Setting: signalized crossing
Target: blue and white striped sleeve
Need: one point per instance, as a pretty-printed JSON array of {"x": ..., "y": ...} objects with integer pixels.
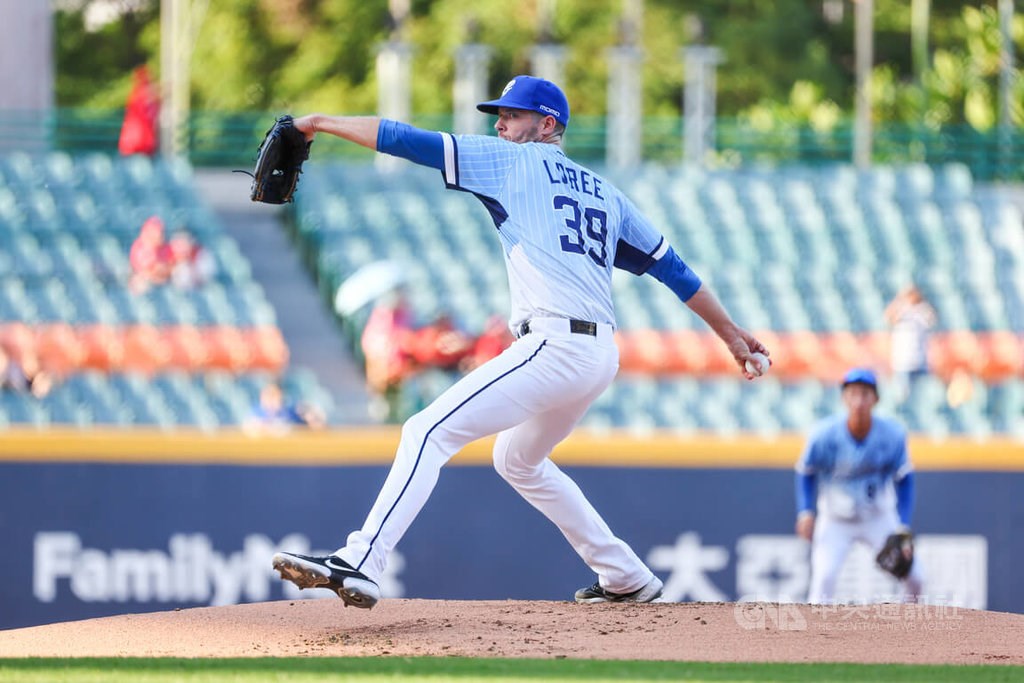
[
  {"x": 477, "y": 163},
  {"x": 640, "y": 243}
]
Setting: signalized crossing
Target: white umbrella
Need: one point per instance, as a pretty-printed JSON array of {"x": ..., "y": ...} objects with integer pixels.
[{"x": 366, "y": 284}]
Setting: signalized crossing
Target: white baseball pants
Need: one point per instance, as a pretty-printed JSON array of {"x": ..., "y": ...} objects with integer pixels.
[
  {"x": 832, "y": 541},
  {"x": 532, "y": 396}
]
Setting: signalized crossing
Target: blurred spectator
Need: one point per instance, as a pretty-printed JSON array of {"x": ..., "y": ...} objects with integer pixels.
[
  {"x": 192, "y": 265},
  {"x": 385, "y": 343},
  {"x": 440, "y": 344},
  {"x": 911, "y": 318},
  {"x": 28, "y": 376},
  {"x": 150, "y": 256},
  {"x": 10, "y": 372},
  {"x": 274, "y": 415},
  {"x": 138, "y": 132},
  {"x": 960, "y": 389},
  {"x": 494, "y": 339}
]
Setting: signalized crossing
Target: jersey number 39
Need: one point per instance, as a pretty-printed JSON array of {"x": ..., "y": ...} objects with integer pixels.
[{"x": 579, "y": 219}]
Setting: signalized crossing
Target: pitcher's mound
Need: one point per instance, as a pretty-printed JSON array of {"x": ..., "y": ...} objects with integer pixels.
[{"x": 755, "y": 632}]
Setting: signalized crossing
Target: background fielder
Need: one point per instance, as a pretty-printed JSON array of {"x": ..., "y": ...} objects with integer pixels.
[
  {"x": 562, "y": 230},
  {"x": 854, "y": 483}
]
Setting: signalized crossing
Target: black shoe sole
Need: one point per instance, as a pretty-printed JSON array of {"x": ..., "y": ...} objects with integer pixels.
[{"x": 305, "y": 577}]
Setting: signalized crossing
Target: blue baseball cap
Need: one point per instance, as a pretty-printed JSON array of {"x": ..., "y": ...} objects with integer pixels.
[
  {"x": 533, "y": 94},
  {"x": 861, "y": 376}
]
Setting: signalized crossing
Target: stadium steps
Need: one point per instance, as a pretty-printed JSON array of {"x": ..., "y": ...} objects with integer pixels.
[{"x": 313, "y": 337}]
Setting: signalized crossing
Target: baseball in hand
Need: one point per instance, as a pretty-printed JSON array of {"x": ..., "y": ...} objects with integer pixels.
[{"x": 758, "y": 364}]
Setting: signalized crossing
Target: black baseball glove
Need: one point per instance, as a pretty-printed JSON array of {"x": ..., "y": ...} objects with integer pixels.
[
  {"x": 897, "y": 555},
  {"x": 279, "y": 163}
]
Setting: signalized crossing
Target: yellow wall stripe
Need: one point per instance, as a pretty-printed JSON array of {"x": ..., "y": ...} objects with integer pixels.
[{"x": 376, "y": 445}]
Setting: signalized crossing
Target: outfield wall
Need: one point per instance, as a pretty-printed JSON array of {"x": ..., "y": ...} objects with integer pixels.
[{"x": 97, "y": 524}]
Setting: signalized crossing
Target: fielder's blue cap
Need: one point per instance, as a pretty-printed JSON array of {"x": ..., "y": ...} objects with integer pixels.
[
  {"x": 533, "y": 94},
  {"x": 861, "y": 376}
]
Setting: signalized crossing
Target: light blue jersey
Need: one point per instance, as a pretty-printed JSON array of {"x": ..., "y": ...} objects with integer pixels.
[
  {"x": 855, "y": 479},
  {"x": 562, "y": 227}
]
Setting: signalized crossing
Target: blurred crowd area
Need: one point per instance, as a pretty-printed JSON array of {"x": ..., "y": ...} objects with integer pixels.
[
  {"x": 124, "y": 302},
  {"x": 913, "y": 271}
]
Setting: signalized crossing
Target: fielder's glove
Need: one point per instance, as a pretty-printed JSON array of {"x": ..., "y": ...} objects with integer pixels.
[
  {"x": 897, "y": 555},
  {"x": 279, "y": 163}
]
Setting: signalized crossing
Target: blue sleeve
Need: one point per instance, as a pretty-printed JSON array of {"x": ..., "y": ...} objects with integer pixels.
[
  {"x": 676, "y": 275},
  {"x": 422, "y": 147},
  {"x": 905, "y": 494},
  {"x": 806, "y": 492}
]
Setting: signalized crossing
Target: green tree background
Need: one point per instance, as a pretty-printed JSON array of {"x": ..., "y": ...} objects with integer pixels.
[{"x": 784, "y": 62}]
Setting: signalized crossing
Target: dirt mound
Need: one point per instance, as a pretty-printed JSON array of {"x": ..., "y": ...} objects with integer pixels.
[{"x": 752, "y": 632}]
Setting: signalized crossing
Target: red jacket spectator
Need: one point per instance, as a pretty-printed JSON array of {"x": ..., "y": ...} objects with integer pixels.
[
  {"x": 384, "y": 343},
  {"x": 440, "y": 345},
  {"x": 138, "y": 132},
  {"x": 492, "y": 341}
]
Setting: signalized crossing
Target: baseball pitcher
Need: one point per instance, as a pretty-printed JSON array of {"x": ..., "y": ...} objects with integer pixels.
[{"x": 562, "y": 230}]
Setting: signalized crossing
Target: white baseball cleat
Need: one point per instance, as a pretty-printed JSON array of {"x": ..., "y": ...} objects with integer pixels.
[
  {"x": 332, "y": 573},
  {"x": 649, "y": 593}
]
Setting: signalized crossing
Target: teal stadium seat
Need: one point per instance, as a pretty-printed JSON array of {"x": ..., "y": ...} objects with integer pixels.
[
  {"x": 16, "y": 301},
  {"x": 62, "y": 409},
  {"x": 800, "y": 406},
  {"x": 953, "y": 181},
  {"x": 1006, "y": 406},
  {"x": 924, "y": 409},
  {"x": 24, "y": 410}
]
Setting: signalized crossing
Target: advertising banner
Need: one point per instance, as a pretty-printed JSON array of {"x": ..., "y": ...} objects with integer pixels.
[{"x": 92, "y": 539}]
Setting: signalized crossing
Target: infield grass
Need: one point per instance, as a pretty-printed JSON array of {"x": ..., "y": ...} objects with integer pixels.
[{"x": 461, "y": 670}]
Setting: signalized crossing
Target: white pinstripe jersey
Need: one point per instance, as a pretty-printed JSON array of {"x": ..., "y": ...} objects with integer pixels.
[{"x": 561, "y": 226}]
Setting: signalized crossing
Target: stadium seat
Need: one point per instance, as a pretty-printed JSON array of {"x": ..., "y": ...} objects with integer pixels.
[
  {"x": 804, "y": 355},
  {"x": 145, "y": 349},
  {"x": 60, "y": 349},
  {"x": 269, "y": 351},
  {"x": 186, "y": 347},
  {"x": 643, "y": 351},
  {"x": 686, "y": 352},
  {"x": 227, "y": 348},
  {"x": 104, "y": 347},
  {"x": 1006, "y": 406}
]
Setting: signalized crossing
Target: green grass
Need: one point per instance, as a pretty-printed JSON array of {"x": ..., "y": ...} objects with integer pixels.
[{"x": 461, "y": 670}]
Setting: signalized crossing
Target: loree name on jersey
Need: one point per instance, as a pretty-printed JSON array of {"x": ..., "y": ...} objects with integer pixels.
[{"x": 576, "y": 178}]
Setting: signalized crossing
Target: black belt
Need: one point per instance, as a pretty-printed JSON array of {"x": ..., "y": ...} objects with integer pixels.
[{"x": 575, "y": 326}]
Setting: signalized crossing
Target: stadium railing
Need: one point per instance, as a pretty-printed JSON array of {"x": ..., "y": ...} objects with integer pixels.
[{"x": 230, "y": 139}]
